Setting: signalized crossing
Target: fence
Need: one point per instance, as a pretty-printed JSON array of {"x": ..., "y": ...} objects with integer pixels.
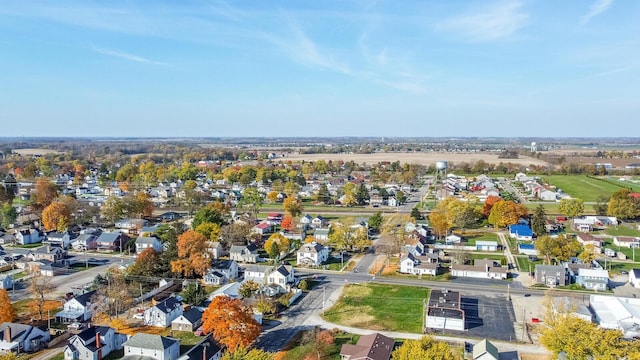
[{"x": 153, "y": 292}]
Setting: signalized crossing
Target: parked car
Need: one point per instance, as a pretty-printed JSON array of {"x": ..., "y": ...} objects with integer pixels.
[
  {"x": 74, "y": 326},
  {"x": 139, "y": 316},
  {"x": 198, "y": 331}
]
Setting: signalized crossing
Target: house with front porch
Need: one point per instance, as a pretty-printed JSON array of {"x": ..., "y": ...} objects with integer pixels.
[
  {"x": 312, "y": 254},
  {"x": 593, "y": 279},
  {"x": 77, "y": 309},
  {"x": 93, "y": 343},
  {"x": 419, "y": 265},
  {"x": 21, "y": 338}
]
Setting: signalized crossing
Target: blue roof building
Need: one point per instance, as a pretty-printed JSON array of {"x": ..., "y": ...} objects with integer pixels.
[{"x": 521, "y": 232}]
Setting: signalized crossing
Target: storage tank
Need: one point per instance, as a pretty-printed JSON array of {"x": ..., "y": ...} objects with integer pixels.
[{"x": 441, "y": 165}]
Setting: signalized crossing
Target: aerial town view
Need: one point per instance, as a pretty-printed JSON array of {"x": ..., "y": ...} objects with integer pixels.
[{"x": 319, "y": 180}]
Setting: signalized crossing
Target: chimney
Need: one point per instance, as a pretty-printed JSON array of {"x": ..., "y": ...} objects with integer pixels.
[
  {"x": 97, "y": 340},
  {"x": 7, "y": 334}
]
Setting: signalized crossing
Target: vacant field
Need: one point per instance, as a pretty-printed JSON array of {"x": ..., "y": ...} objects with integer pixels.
[
  {"x": 583, "y": 187},
  {"x": 422, "y": 158},
  {"x": 35, "y": 152},
  {"x": 380, "y": 307}
]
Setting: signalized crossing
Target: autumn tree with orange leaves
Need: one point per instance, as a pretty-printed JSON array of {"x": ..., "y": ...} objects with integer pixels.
[
  {"x": 145, "y": 264},
  {"x": 231, "y": 322},
  {"x": 45, "y": 193},
  {"x": 287, "y": 223},
  {"x": 194, "y": 257},
  {"x": 7, "y": 314},
  {"x": 488, "y": 204},
  {"x": 505, "y": 213},
  {"x": 56, "y": 216}
]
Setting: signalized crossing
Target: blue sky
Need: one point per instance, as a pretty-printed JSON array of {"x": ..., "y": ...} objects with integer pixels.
[{"x": 320, "y": 68}]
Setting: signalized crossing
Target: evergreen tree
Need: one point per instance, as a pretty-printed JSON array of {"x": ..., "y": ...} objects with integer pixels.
[{"x": 538, "y": 220}]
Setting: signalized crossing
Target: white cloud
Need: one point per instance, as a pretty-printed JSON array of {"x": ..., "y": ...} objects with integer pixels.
[
  {"x": 596, "y": 9},
  {"x": 125, "y": 56},
  {"x": 496, "y": 22}
]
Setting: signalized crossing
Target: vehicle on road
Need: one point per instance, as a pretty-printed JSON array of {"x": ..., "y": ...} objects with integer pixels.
[
  {"x": 74, "y": 326},
  {"x": 139, "y": 316}
]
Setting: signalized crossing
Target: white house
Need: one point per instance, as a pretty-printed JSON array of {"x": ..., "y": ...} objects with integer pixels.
[
  {"x": 155, "y": 347},
  {"x": 482, "y": 269},
  {"x": 626, "y": 241},
  {"x": 22, "y": 338},
  {"x": 93, "y": 343},
  {"x": 29, "y": 236},
  {"x": 247, "y": 253},
  {"x": 634, "y": 278},
  {"x": 77, "y": 309},
  {"x": 419, "y": 265},
  {"x": 221, "y": 272},
  {"x": 321, "y": 234},
  {"x": 282, "y": 275},
  {"x": 62, "y": 239},
  {"x": 593, "y": 279},
  {"x": 163, "y": 313},
  {"x": 84, "y": 242},
  {"x": 452, "y": 239},
  {"x": 312, "y": 254},
  {"x": 257, "y": 273},
  {"x": 547, "y": 195},
  {"x": 148, "y": 242}
]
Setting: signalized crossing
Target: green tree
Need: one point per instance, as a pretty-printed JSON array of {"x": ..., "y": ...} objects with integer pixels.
[
  {"x": 622, "y": 205},
  {"x": 362, "y": 194},
  {"x": 561, "y": 248},
  {"x": 251, "y": 200},
  {"x": 600, "y": 207},
  {"x": 425, "y": 348},
  {"x": 8, "y": 215},
  {"x": 349, "y": 198},
  {"x": 415, "y": 214},
  {"x": 401, "y": 197},
  {"x": 539, "y": 220},
  {"x": 293, "y": 206},
  {"x": 248, "y": 288},
  {"x": 323, "y": 195},
  {"x": 571, "y": 207},
  {"x": 215, "y": 213},
  {"x": 375, "y": 221},
  {"x": 194, "y": 294}
]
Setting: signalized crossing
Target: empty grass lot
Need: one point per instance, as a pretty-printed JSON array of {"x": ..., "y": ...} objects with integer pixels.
[
  {"x": 583, "y": 187},
  {"x": 380, "y": 307}
]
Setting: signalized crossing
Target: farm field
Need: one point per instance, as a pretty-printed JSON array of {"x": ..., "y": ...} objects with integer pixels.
[
  {"x": 380, "y": 307},
  {"x": 421, "y": 158},
  {"x": 582, "y": 187}
]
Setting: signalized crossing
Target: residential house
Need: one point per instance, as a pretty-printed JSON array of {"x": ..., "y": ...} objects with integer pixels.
[
  {"x": 207, "y": 349},
  {"x": 216, "y": 249},
  {"x": 148, "y": 242},
  {"x": 61, "y": 239},
  {"x": 321, "y": 234},
  {"x": 312, "y": 254},
  {"x": 246, "y": 253},
  {"x": 444, "y": 310},
  {"x": 634, "y": 278},
  {"x": 419, "y": 265},
  {"x": 263, "y": 228},
  {"x": 593, "y": 279},
  {"x": 50, "y": 253},
  {"x": 369, "y": 347},
  {"x": 527, "y": 249},
  {"x": 582, "y": 225},
  {"x": 305, "y": 221},
  {"x": 230, "y": 290},
  {"x": 131, "y": 224},
  {"x": 6, "y": 281},
  {"x": 29, "y": 236},
  {"x": 93, "y": 343},
  {"x": 152, "y": 347},
  {"x": 486, "y": 245},
  {"x": 452, "y": 239},
  {"x": 169, "y": 215},
  {"x": 520, "y": 232},
  {"x": 257, "y": 273},
  {"x": 274, "y": 218},
  {"x": 110, "y": 241},
  {"x": 547, "y": 195},
  {"x": 190, "y": 320},
  {"x": 319, "y": 222},
  {"x": 484, "y": 350},
  {"x": 282, "y": 275},
  {"x": 482, "y": 269},
  {"x": 376, "y": 200},
  {"x": 551, "y": 275},
  {"x": 85, "y": 242},
  {"x": 221, "y": 272},
  {"x": 587, "y": 239},
  {"x": 392, "y": 201},
  {"x": 163, "y": 313},
  {"x": 20, "y": 338},
  {"x": 626, "y": 241},
  {"x": 77, "y": 309}
]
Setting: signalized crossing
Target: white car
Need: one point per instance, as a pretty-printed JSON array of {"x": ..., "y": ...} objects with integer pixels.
[
  {"x": 139, "y": 316},
  {"x": 75, "y": 326}
]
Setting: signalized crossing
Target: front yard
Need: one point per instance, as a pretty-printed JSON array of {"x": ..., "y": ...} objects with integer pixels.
[{"x": 380, "y": 307}]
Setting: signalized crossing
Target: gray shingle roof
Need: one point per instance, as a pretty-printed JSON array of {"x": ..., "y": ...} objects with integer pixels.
[{"x": 152, "y": 342}]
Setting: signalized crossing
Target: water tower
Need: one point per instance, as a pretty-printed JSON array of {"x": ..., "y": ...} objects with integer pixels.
[
  {"x": 534, "y": 147},
  {"x": 440, "y": 175}
]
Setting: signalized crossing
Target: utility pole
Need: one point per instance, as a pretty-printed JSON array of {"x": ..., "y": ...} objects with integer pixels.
[
  {"x": 524, "y": 321},
  {"x": 323, "y": 298}
]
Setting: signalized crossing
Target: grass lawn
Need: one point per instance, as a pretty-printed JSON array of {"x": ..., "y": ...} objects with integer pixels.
[
  {"x": 380, "y": 307},
  {"x": 524, "y": 264},
  {"x": 620, "y": 230},
  {"x": 470, "y": 238},
  {"x": 19, "y": 275},
  {"x": 583, "y": 187},
  {"x": 495, "y": 257},
  {"x": 59, "y": 356},
  {"x": 615, "y": 267},
  {"x": 608, "y": 243}
]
